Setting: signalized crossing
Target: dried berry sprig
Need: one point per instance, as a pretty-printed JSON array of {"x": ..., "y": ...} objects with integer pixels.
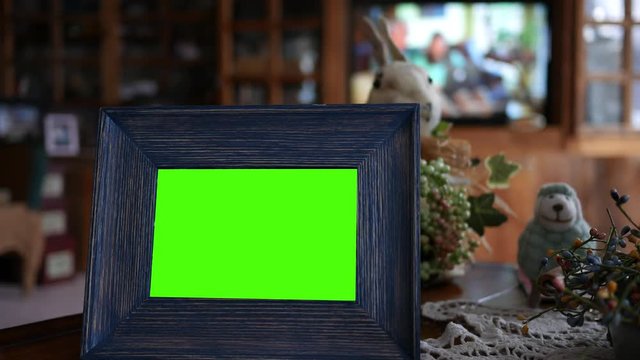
[
  {"x": 604, "y": 279},
  {"x": 620, "y": 201}
]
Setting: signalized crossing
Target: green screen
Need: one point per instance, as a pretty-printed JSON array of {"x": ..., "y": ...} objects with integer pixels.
[{"x": 287, "y": 234}]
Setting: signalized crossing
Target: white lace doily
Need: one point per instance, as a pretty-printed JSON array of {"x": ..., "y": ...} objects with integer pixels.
[{"x": 483, "y": 332}]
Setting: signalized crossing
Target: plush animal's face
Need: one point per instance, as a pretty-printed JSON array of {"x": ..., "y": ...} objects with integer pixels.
[
  {"x": 403, "y": 82},
  {"x": 556, "y": 212}
]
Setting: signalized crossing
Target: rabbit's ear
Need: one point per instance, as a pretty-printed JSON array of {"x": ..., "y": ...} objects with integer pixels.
[
  {"x": 380, "y": 50},
  {"x": 396, "y": 54}
]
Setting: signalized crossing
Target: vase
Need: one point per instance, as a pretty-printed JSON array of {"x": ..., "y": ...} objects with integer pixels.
[{"x": 624, "y": 338}]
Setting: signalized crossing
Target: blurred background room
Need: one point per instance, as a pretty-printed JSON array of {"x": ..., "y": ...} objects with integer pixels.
[{"x": 553, "y": 84}]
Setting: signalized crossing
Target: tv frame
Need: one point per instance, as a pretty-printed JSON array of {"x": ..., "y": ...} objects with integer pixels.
[
  {"x": 381, "y": 141},
  {"x": 559, "y": 75}
]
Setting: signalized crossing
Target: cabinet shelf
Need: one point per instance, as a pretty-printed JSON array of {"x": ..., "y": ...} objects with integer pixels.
[
  {"x": 265, "y": 25},
  {"x": 80, "y": 60},
  {"x": 301, "y": 24},
  {"x": 161, "y": 61},
  {"x": 31, "y": 17},
  {"x": 45, "y": 17},
  {"x": 180, "y": 16},
  {"x": 284, "y": 78},
  {"x": 189, "y": 16},
  {"x": 84, "y": 60},
  {"x": 298, "y": 78},
  {"x": 79, "y": 17}
]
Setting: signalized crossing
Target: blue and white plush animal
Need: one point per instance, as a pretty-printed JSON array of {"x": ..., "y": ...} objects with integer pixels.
[{"x": 557, "y": 222}]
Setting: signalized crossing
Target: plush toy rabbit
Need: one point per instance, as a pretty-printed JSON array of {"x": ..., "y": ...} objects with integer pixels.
[{"x": 399, "y": 81}]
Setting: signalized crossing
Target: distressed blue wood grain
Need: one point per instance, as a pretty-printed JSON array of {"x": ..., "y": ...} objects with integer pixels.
[{"x": 382, "y": 141}]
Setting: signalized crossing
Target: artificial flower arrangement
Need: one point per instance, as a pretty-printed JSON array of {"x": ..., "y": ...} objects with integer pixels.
[
  {"x": 457, "y": 202},
  {"x": 453, "y": 212},
  {"x": 603, "y": 280}
]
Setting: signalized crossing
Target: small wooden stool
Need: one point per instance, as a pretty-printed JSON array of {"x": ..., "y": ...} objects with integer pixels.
[{"x": 21, "y": 231}]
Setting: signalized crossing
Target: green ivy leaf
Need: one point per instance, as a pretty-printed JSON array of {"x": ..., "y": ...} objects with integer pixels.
[
  {"x": 441, "y": 131},
  {"x": 483, "y": 213},
  {"x": 500, "y": 171}
]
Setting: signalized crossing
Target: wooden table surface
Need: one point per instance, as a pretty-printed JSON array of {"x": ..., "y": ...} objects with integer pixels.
[
  {"x": 482, "y": 283},
  {"x": 60, "y": 338}
]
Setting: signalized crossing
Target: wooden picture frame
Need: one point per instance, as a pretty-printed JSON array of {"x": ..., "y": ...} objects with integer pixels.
[
  {"x": 381, "y": 141},
  {"x": 61, "y": 135}
]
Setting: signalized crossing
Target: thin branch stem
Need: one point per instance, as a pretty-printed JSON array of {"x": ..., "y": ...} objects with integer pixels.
[
  {"x": 622, "y": 210},
  {"x": 613, "y": 225},
  {"x": 613, "y": 267},
  {"x": 538, "y": 315},
  {"x": 589, "y": 302}
]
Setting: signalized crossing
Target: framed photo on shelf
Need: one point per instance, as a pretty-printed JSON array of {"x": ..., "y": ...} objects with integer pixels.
[
  {"x": 61, "y": 134},
  {"x": 255, "y": 232}
]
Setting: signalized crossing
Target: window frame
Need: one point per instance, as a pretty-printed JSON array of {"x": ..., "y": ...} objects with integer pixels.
[{"x": 624, "y": 77}]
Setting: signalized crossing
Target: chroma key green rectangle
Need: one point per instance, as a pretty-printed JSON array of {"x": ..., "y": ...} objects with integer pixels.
[{"x": 269, "y": 234}]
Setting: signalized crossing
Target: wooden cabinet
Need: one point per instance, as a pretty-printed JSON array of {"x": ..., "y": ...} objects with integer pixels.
[
  {"x": 282, "y": 51},
  {"x": 93, "y": 52},
  {"x": 78, "y": 55},
  {"x": 167, "y": 51}
]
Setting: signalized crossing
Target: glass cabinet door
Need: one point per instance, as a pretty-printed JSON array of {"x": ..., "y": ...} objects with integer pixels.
[
  {"x": 275, "y": 47},
  {"x": 610, "y": 65}
]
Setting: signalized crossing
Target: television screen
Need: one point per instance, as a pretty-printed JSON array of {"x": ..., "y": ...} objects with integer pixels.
[{"x": 489, "y": 60}]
